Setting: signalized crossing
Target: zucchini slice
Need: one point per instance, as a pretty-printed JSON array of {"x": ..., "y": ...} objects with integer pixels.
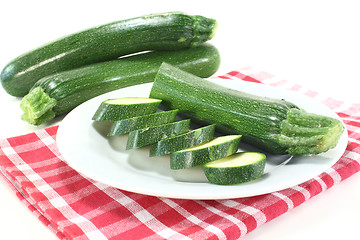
[
  {"x": 186, "y": 140},
  {"x": 237, "y": 168},
  {"x": 147, "y": 136},
  {"x": 210, "y": 151},
  {"x": 123, "y": 108},
  {"x": 150, "y": 120}
]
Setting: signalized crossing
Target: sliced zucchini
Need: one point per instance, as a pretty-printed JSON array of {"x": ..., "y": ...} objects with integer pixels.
[
  {"x": 150, "y": 120},
  {"x": 147, "y": 136},
  {"x": 123, "y": 108},
  {"x": 210, "y": 151},
  {"x": 237, "y": 168},
  {"x": 186, "y": 140}
]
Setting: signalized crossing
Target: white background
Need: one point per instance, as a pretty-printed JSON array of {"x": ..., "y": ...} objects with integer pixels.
[{"x": 314, "y": 43}]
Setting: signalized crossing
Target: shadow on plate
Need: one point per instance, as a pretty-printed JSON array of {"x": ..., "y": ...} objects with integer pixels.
[{"x": 102, "y": 127}]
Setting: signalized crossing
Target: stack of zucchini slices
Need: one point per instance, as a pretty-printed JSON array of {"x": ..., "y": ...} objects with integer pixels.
[{"x": 146, "y": 125}]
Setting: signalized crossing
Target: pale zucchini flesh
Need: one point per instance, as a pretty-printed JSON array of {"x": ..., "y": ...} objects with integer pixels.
[
  {"x": 131, "y": 101},
  {"x": 237, "y": 168},
  {"x": 124, "y": 108},
  {"x": 215, "y": 149}
]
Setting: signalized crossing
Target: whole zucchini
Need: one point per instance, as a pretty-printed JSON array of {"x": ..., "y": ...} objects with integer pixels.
[
  {"x": 168, "y": 31},
  {"x": 59, "y": 93},
  {"x": 274, "y": 125}
]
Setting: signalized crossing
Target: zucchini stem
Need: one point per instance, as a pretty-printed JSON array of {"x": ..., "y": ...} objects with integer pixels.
[
  {"x": 307, "y": 133},
  {"x": 204, "y": 29},
  {"x": 37, "y": 107}
]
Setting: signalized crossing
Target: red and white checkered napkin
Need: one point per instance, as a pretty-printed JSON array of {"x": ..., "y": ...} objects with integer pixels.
[{"x": 75, "y": 207}]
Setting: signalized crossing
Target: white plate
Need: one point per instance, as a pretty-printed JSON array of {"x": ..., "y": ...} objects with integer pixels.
[{"x": 86, "y": 149}]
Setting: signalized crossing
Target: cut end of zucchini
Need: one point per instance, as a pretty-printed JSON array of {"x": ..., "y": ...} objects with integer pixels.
[
  {"x": 237, "y": 168},
  {"x": 305, "y": 133},
  {"x": 204, "y": 29},
  {"x": 237, "y": 160},
  {"x": 37, "y": 107},
  {"x": 213, "y": 142},
  {"x": 206, "y": 152},
  {"x": 124, "y": 108},
  {"x": 131, "y": 100}
]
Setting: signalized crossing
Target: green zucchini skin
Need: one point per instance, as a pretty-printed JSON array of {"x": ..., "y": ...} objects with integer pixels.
[
  {"x": 116, "y": 112},
  {"x": 146, "y": 136},
  {"x": 127, "y": 125},
  {"x": 236, "y": 174},
  {"x": 68, "y": 89},
  {"x": 233, "y": 112},
  {"x": 166, "y": 31},
  {"x": 183, "y": 141},
  {"x": 274, "y": 125},
  {"x": 188, "y": 158}
]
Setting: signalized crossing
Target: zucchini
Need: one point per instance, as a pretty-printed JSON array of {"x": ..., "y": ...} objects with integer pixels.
[
  {"x": 58, "y": 94},
  {"x": 274, "y": 125},
  {"x": 167, "y": 31},
  {"x": 123, "y": 108},
  {"x": 146, "y": 136},
  {"x": 127, "y": 125},
  {"x": 237, "y": 168},
  {"x": 210, "y": 151},
  {"x": 186, "y": 140}
]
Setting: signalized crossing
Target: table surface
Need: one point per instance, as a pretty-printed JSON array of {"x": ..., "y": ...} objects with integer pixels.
[{"x": 313, "y": 43}]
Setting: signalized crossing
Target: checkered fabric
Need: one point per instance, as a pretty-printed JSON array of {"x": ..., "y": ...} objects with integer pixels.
[{"x": 75, "y": 207}]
